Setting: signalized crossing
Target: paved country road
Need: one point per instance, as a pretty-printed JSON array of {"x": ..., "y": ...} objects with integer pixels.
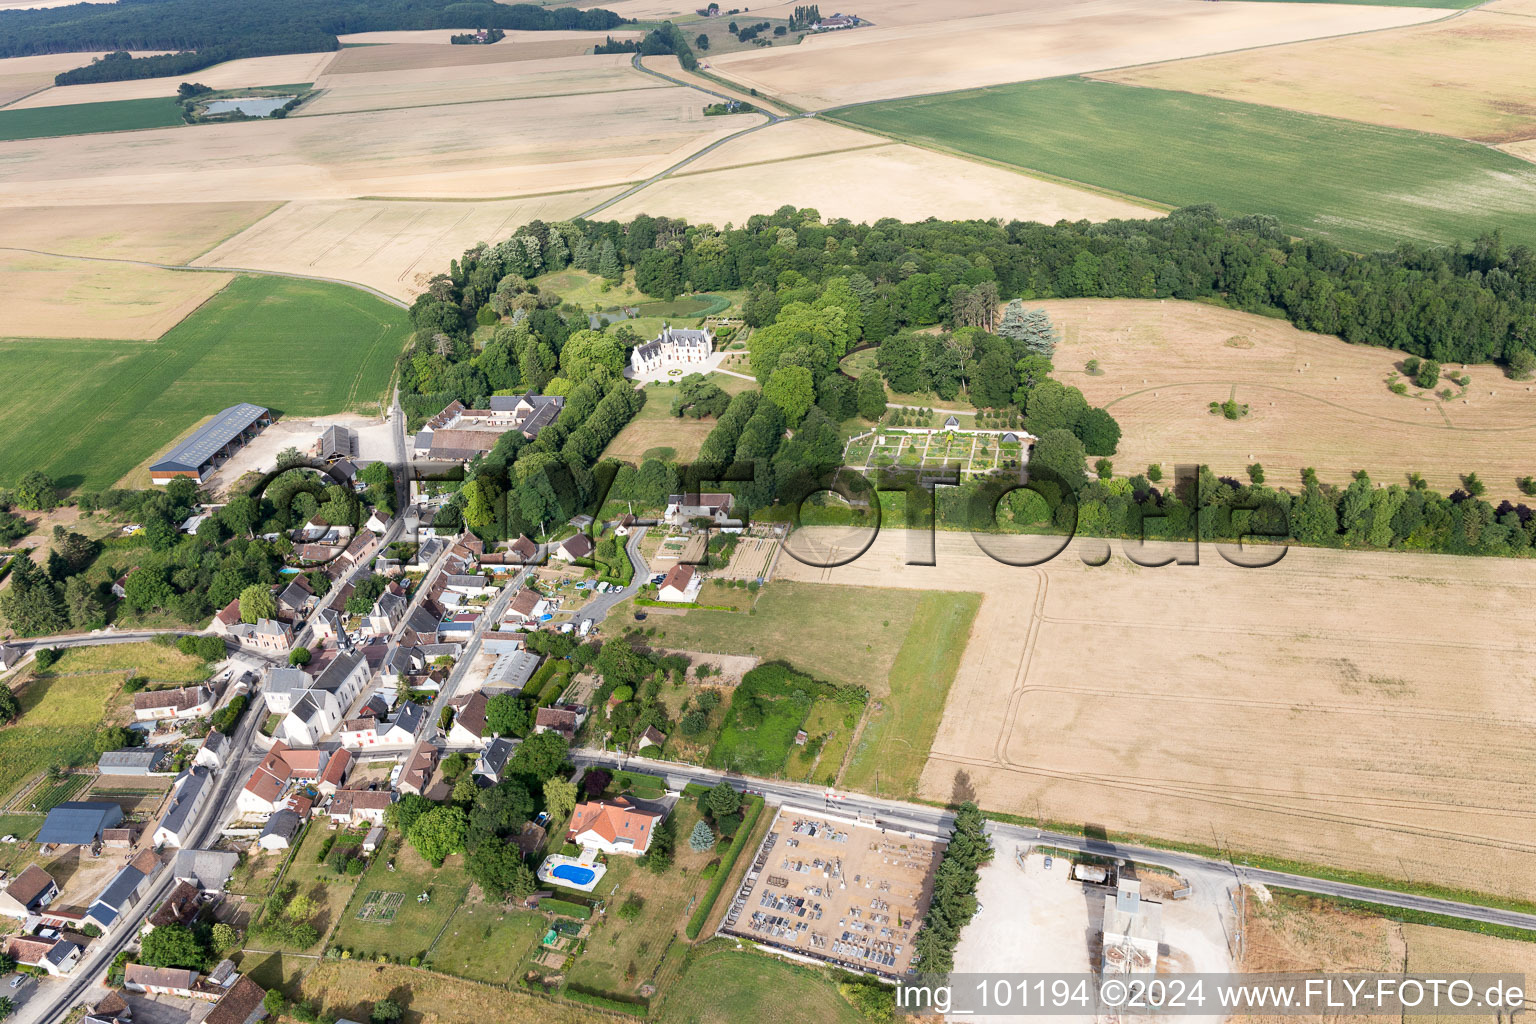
[
  {"x": 895, "y": 813},
  {"x": 52, "y": 1001}
]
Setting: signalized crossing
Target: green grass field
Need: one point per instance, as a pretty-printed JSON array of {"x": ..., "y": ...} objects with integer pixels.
[
  {"x": 1363, "y": 186},
  {"x": 85, "y": 118},
  {"x": 729, "y": 986},
  {"x": 790, "y": 623},
  {"x": 415, "y": 925},
  {"x": 88, "y": 411},
  {"x": 58, "y": 719},
  {"x": 898, "y": 735}
]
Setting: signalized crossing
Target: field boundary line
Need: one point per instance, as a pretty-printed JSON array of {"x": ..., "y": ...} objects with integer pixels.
[
  {"x": 787, "y": 159},
  {"x": 214, "y": 270},
  {"x": 498, "y": 99},
  {"x": 1152, "y": 205},
  {"x": 1439, "y": 406},
  {"x": 825, "y": 111},
  {"x": 485, "y": 199},
  {"x": 240, "y": 231}
]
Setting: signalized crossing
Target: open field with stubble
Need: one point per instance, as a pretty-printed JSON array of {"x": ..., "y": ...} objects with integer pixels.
[
  {"x": 1466, "y": 76},
  {"x": 840, "y": 172},
  {"x": 1312, "y": 399},
  {"x": 166, "y": 232},
  {"x": 1331, "y": 709},
  {"x": 394, "y": 246},
  {"x": 285, "y": 69},
  {"x": 987, "y": 43},
  {"x": 1362, "y": 186},
  {"x": 254, "y": 342},
  {"x": 58, "y": 297},
  {"x": 22, "y": 76}
]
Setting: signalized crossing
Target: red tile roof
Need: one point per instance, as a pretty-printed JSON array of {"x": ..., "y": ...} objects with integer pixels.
[
  {"x": 236, "y": 1005},
  {"x": 614, "y": 821}
]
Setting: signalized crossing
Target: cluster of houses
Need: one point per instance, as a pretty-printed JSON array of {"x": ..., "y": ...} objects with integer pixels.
[
  {"x": 55, "y": 932},
  {"x": 459, "y": 434}
]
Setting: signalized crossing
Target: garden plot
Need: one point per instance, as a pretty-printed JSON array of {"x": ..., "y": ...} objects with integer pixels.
[
  {"x": 380, "y": 907},
  {"x": 973, "y": 453}
]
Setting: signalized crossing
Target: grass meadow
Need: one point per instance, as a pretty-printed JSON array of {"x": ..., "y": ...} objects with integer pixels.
[
  {"x": 86, "y": 118},
  {"x": 87, "y": 411},
  {"x": 899, "y": 733},
  {"x": 1363, "y": 186}
]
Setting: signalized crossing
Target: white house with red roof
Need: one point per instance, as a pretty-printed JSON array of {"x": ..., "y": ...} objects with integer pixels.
[{"x": 612, "y": 826}]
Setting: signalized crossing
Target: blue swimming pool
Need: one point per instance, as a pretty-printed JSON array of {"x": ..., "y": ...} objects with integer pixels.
[{"x": 573, "y": 873}]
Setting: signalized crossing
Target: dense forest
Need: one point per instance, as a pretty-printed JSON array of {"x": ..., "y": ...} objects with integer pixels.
[
  {"x": 927, "y": 297},
  {"x": 208, "y": 32}
]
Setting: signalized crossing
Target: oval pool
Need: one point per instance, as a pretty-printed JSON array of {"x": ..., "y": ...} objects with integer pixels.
[{"x": 573, "y": 873}]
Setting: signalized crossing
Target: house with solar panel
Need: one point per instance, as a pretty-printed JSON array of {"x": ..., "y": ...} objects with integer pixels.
[{"x": 211, "y": 444}]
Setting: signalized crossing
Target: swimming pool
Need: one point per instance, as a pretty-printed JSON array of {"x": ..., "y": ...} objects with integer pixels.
[
  {"x": 581, "y": 873},
  {"x": 574, "y": 873}
]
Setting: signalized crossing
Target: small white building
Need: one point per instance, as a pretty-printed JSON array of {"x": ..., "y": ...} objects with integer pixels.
[{"x": 182, "y": 704}]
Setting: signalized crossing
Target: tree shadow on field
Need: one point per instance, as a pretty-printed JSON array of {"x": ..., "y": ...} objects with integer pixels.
[{"x": 963, "y": 790}]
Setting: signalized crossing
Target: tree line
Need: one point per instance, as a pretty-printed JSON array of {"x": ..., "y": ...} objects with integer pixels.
[{"x": 206, "y": 32}]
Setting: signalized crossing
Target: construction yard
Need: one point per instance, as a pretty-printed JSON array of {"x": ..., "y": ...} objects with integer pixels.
[
  {"x": 838, "y": 891},
  {"x": 1236, "y": 707}
]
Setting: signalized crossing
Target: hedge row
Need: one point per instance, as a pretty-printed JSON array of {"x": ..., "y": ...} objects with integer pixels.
[
  {"x": 727, "y": 862},
  {"x": 602, "y": 1002},
  {"x": 566, "y": 907}
]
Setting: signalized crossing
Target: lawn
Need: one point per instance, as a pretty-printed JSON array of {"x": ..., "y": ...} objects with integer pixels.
[
  {"x": 59, "y": 717},
  {"x": 760, "y": 750},
  {"x": 654, "y": 427},
  {"x": 623, "y": 955},
  {"x": 1363, "y": 186},
  {"x": 805, "y": 624},
  {"x": 898, "y": 735},
  {"x": 728, "y": 986},
  {"x": 300, "y": 348},
  {"x": 487, "y": 942},
  {"x": 329, "y": 891},
  {"x": 157, "y": 664},
  {"x": 85, "y": 118},
  {"x": 415, "y": 925}
]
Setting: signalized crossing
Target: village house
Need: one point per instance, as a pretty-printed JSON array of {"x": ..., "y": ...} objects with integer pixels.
[
  {"x": 181, "y": 704},
  {"x": 241, "y": 1003},
  {"x": 469, "y": 729},
  {"x": 528, "y": 606},
  {"x": 573, "y": 548},
  {"x": 188, "y": 796},
  {"x": 56, "y": 956},
  {"x": 279, "y": 831},
  {"x": 492, "y": 762},
  {"x": 180, "y": 906},
  {"x": 416, "y": 774},
  {"x": 123, "y": 890},
  {"x": 355, "y": 806},
  {"x": 523, "y": 550},
  {"x": 268, "y": 636},
  {"x": 458, "y": 434},
  {"x": 612, "y": 826},
  {"x": 564, "y": 719},
  {"x": 681, "y": 584},
  {"x": 684, "y": 508},
  {"x": 160, "y": 981},
  {"x": 294, "y": 601},
  {"x": 213, "y": 750},
  {"x": 651, "y": 737},
  {"x": 369, "y": 733},
  {"x": 28, "y": 893}
]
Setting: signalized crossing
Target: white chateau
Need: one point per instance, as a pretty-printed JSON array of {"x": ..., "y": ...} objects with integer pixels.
[{"x": 672, "y": 346}]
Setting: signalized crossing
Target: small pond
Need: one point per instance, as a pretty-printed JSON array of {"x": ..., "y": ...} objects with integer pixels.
[{"x": 252, "y": 106}]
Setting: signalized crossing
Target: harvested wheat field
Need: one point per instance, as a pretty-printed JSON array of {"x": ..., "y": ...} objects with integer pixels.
[
  {"x": 1312, "y": 399},
  {"x": 1468, "y": 76},
  {"x": 395, "y": 247},
  {"x": 478, "y": 150},
  {"x": 1333, "y": 708},
  {"x": 55, "y": 297},
  {"x": 845, "y": 173},
  {"x": 1525, "y": 150},
  {"x": 288, "y": 69},
  {"x": 21, "y": 76},
  {"x": 1036, "y": 39},
  {"x": 668, "y": 65},
  {"x": 475, "y": 83},
  {"x": 1292, "y": 932},
  {"x": 155, "y": 232}
]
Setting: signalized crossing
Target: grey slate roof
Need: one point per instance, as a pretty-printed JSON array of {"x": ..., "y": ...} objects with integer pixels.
[
  {"x": 337, "y": 671},
  {"x": 206, "y": 441},
  {"x": 513, "y": 670},
  {"x": 410, "y": 717},
  {"x": 287, "y": 680},
  {"x": 131, "y": 760},
  {"x": 188, "y": 788},
  {"x": 210, "y": 869},
  {"x": 422, "y": 620},
  {"x": 78, "y": 822},
  {"x": 283, "y": 822},
  {"x": 493, "y": 760}
]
